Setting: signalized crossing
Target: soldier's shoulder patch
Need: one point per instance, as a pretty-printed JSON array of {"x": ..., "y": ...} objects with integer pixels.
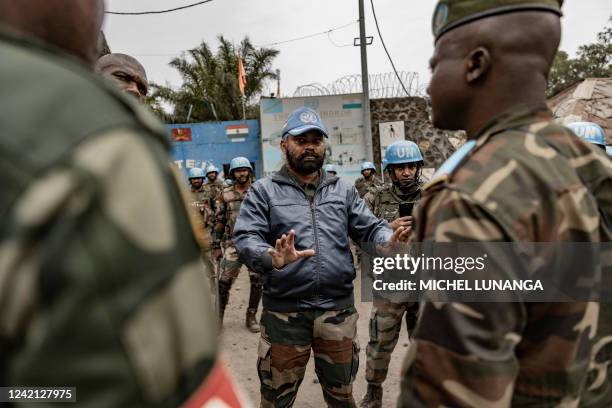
[{"x": 451, "y": 164}]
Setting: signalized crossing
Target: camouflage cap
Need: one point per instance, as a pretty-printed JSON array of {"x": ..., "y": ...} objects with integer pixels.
[{"x": 450, "y": 14}]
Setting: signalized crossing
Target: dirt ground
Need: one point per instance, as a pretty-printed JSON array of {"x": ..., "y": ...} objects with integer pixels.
[{"x": 240, "y": 351}]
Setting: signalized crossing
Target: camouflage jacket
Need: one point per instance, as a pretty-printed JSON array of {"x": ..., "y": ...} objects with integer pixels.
[
  {"x": 363, "y": 186},
  {"x": 522, "y": 179},
  {"x": 385, "y": 200},
  {"x": 226, "y": 213},
  {"x": 216, "y": 187},
  {"x": 202, "y": 207},
  {"x": 96, "y": 248},
  {"x": 204, "y": 202}
]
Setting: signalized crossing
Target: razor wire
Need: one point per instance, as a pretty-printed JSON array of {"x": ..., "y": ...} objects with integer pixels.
[{"x": 384, "y": 85}]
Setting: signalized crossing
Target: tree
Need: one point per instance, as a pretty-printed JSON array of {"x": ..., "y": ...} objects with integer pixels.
[
  {"x": 210, "y": 82},
  {"x": 592, "y": 61}
]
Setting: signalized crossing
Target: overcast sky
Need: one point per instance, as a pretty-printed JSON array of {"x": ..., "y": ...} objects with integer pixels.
[{"x": 405, "y": 26}]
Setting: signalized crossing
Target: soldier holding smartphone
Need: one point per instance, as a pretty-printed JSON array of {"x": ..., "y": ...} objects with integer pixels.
[{"x": 393, "y": 202}]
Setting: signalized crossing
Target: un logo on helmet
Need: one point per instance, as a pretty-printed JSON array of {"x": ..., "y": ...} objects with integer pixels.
[{"x": 308, "y": 117}]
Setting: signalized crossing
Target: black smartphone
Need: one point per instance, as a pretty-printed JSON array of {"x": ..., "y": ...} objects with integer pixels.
[{"x": 405, "y": 209}]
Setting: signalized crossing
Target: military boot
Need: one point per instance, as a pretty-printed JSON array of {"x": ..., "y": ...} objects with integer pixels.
[
  {"x": 224, "y": 290},
  {"x": 373, "y": 397},
  {"x": 251, "y": 321}
]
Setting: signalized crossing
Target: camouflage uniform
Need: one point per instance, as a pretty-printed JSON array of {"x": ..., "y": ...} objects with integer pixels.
[
  {"x": 522, "y": 179},
  {"x": 386, "y": 317},
  {"x": 363, "y": 186},
  {"x": 284, "y": 350},
  {"x": 226, "y": 212},
  {"x": 203, "y": 208},
  {"x": 216, "y": 186},
  {"x": 101, "y": 287}
]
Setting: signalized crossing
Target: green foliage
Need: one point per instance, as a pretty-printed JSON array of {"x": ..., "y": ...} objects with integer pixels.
[
  {"x": 592, "y": 61},
  {"x": 210, "y": 82}
]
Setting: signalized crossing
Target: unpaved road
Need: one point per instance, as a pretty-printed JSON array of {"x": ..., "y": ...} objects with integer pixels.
[{"x": 240, "y": 351}]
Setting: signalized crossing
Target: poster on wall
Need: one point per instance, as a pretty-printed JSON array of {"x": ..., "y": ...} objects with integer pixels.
[
  {"x": 390, "y": 132},
  {"x": 343, "y": 118}
]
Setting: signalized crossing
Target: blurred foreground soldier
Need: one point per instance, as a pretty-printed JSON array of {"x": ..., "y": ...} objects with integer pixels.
[
  {"x": 589, "y": 132},
  {"x": 330, "y": 169},
  {"x": 367, "y": 180},
  {"x": 101, "y": 287},
  {"x": 126, "y": 72},
  {"x": 519, "y": 178},
  {"x": 227, "y": 210},
  {"x": 294, "y": 229},
  {"x": 403, "y": 163}
]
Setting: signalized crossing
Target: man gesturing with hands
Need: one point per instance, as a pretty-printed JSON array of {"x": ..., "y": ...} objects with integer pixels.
[{"x": 294, "y": 229}]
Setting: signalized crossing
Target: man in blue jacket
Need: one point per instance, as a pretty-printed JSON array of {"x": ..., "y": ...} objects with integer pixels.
[{"x": 294, "y": 228}]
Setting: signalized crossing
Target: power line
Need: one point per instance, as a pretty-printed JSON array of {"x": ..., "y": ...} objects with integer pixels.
[
  {"x": 308, "y": 36},
  {"x": 326, "y": 32},
  {"x": 385, "y": 47},
  {"x": 331, "y": 40},
  {"x": 141, "y": 13}
]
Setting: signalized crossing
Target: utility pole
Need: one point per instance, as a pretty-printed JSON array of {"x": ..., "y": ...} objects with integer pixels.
[{"x": 367, "y": 122}]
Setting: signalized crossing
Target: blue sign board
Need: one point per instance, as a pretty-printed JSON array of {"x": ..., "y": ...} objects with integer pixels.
[{"x": 200, "y": 144}]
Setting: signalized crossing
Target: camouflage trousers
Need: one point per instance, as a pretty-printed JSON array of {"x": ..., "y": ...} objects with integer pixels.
[
  {"x": 206, "y": 258},
  {"x": 385, "y": 326},
  {"x": 284, "y": 350},
  {"x": 230, "y": 268}
]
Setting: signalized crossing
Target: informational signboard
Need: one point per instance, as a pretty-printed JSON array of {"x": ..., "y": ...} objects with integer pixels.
[
  {"x": 390, "y": 132},
  {"x": 343, "y": 118}
]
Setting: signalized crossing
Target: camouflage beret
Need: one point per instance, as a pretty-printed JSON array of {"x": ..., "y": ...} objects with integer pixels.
[{"x": 451, "y": 14}]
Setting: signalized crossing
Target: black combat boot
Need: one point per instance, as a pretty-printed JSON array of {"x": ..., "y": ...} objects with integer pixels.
[
  {"x": 373, "y": 397},
  {"x": 254, "y": 299},
  {"x": 224, "y": 291}
]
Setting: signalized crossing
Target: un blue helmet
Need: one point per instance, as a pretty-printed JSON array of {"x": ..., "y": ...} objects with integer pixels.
[
  {"x": 240, "y": 163},
  {"x": 368, "y": 166},
  {"x": 589, "y": 132},
  {"x": 330, "y": 168},
  {"x": 212, "y": 169},
  {"x": 196, "y": 172},
  {"x": 301, "y": 121},
  {"x": 401, "y": 152}
]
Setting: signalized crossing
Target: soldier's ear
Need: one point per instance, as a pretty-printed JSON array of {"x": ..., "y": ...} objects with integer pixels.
[{"x": 478, "y": 63}]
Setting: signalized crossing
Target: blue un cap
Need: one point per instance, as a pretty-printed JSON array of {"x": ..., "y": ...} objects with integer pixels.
[{"x": 301, "y": 121}]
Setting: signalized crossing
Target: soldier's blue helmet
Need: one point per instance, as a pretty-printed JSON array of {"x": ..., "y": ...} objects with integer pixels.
[
  {"x": 301, "y": 121},
  {"x": 196, "y": 172},
  {"x": 330, "y": 168},
  {"x": 368, "y": 166},
  {"x": 589, "y": 132},
  {"x": 401, "y": 152},
  {"x": 212, "y": 169},
  {"x": 240, "y": 163}
]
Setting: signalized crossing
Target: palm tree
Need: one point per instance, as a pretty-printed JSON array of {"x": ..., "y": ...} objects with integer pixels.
[{"x": 210, "y": 82}]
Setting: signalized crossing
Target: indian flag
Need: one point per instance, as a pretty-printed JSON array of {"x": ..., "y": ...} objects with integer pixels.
[{"x": 237, "y": 133}]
